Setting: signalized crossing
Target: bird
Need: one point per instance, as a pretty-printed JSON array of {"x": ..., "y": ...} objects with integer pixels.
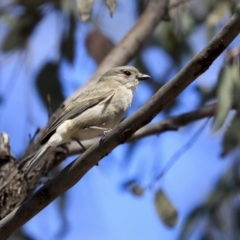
[{"x": 93, "y": 112}]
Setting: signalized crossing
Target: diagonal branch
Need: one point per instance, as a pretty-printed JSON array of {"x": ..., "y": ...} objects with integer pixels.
[{"x": 70, "y": 175}]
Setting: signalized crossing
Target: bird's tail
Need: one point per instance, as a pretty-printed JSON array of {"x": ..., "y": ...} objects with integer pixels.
[{"x": 36, "y": 159}]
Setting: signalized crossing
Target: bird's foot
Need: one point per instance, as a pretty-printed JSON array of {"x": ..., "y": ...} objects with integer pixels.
[
  {"x": 81, "y": 145},
  {"x": 106, "y": 132}
]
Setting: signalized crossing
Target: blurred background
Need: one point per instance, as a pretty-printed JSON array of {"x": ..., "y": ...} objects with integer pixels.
[{"x": 48, "y": 52}]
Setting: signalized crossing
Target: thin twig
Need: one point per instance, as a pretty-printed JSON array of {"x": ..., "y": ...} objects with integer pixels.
[{"x": 176, "y": 156}]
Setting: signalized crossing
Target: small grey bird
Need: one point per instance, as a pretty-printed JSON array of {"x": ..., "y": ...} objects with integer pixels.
[{"x": 94, "y": 112}]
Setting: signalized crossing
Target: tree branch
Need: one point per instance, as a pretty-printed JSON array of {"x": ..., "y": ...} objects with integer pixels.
[{"x": 70, "y": 175}]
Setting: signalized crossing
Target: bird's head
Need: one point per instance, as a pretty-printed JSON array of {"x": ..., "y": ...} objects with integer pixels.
[{"x": 127, "y": 76}]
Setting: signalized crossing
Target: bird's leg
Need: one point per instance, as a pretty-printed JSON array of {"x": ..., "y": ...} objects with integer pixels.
[
  {"x": 105, "y": 130},
  {"x": 101, "y": 128},
  {"x": 84, "y": 149}
]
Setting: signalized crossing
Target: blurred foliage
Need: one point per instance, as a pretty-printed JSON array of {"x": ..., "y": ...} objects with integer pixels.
[
  {"x": 100, "y": 48},
  {"x": 134, "y": 187},
  {"x": 85, "y": 8},
  {"x": 227, "y": 92},
  {"x": 164, "y": 207},
  {"x": 173, "y": 42},
  {"x": 166, "y": 211},
  {"x": 220, "y": 214},
  {"x": 231, "y": 138},
  {"x": 111, "y": 5},
  {"x": 49, "y": 87},
  {"x": 68, "y": 42},
  {"x": 228, "y": 87},
  {"x": 21, "y": 29}
]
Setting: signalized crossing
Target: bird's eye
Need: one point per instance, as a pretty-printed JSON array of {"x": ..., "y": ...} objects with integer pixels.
[{"x": 127, "y": 73}]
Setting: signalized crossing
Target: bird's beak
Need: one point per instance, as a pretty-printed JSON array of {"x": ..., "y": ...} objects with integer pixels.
[{"x": 142, "y": 77}]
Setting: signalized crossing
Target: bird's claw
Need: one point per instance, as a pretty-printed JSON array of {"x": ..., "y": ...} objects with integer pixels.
[{"x": 106, "y": 132}]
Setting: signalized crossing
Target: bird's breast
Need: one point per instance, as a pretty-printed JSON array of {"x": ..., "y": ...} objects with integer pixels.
[
  {"x": 122, "y": 99},
  {"x": 114, "y": 111},
  {"x": 105, "y": 115}
]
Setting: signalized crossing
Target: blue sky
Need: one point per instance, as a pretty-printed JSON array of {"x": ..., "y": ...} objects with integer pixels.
[{"x": 97, "y": 207}]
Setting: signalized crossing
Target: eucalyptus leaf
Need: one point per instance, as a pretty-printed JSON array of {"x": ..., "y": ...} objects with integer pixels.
[
  {"x": 111, "y": 5},
  {"x": 231, "y": 138},
  {"x": 98, "y": 45},
  {"x": 173, "y": 43},
  {"x": 134, "y": 187},
  {"x": 218, "y": 13},
  {"x": 165, "y": 209},
  {"x": 137, "y": 190},
  {"x": 48, "y": 84},
  {"x": 68, "y": 43},
  {"x": 236, "y": 78},
  {"x": 21, "y": 30},
  {"x": 192, "y": 222},
  {"x": 85, "y": 9},
  {"x": 225, "y": 92}
]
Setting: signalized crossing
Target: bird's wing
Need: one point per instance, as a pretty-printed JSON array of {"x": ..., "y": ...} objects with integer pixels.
[{"x": 83, "y": 102}]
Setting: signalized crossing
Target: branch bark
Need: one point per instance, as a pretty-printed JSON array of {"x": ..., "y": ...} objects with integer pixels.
[{"x": 70, "y": 175}]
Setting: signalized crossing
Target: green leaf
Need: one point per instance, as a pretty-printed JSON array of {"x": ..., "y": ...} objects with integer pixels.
[
  {"x": 48, "y": 84},
  {"x": 68, "y": 44},
  {"x": 21, "y": 30},
  {"x": 218, "y": 13},
  {"x": 210, "y": 212},
  {"x": 174, "y": 44},
  {"x": 192, "y": 222},
  {"x": 228, "y": 77},
  {"x": 111, "y": 5},
  {"x": 166, "y": 211},
  {"x": 134, "y": 188},
  {"x": 236, "y": 79},
  {"x": 237, "y": 10},
  {"x": 231, "y": 138},
  {"x": 137, "y": 190}
]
